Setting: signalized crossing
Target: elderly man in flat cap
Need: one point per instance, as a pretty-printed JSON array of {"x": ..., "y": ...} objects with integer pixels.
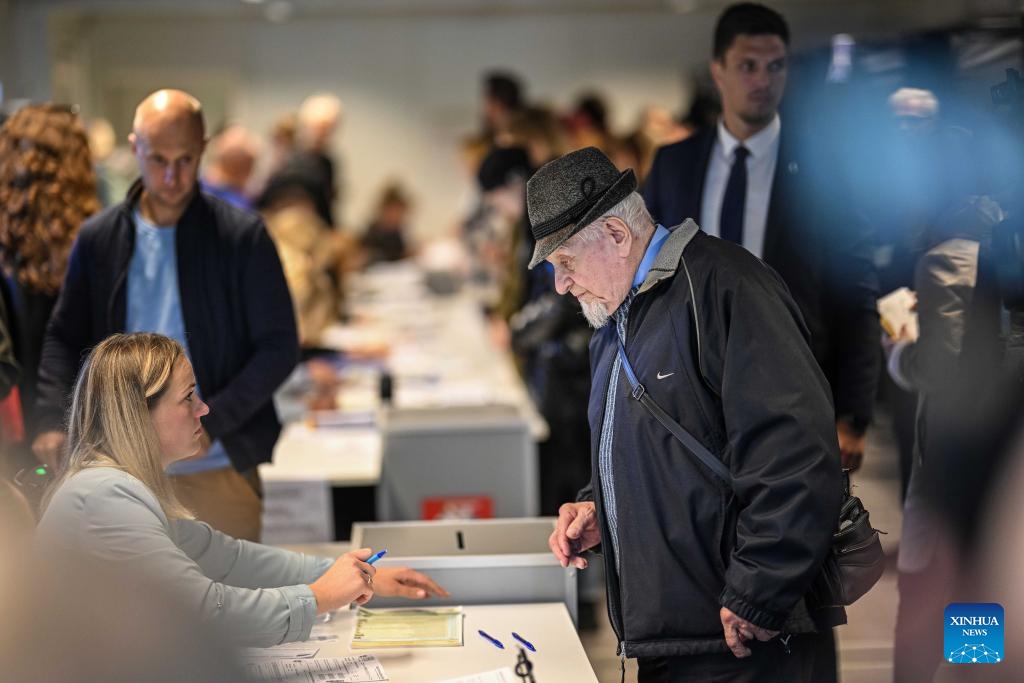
[{"x": 709, "y": 547}]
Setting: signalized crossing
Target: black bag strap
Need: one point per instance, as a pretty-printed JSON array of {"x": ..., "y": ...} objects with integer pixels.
[{"x": 688, "y": 440}]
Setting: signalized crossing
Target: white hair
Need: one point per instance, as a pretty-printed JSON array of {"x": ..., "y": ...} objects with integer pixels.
[
  {"x": 595, "y": 313},
  {"x": 320, "y": 107},
  {"x": 632, "y": 211},
  {"x": 914, "y": 102}
]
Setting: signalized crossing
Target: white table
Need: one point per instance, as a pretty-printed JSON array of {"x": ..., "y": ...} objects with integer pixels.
[
  {"x": 341, "y": 456},
  {"x": 440, "y": 356},
  {"x": 559, "y": 658}
]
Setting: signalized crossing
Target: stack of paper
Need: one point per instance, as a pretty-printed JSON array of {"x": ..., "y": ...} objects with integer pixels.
[
  {"x": 898, "y": 314},
  {"x": 376, "y": 628}
]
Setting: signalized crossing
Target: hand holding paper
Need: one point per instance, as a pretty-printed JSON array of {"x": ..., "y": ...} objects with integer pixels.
[{"x": 898, "y": 313}]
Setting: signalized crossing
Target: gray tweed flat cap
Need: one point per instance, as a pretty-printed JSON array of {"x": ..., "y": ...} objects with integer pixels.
[{"x": 571, "y": 192}]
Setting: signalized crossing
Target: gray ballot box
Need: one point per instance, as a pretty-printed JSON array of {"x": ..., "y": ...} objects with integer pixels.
[
  {"x": 479, "y": 561},
  {"x": 438, "y": 458}
]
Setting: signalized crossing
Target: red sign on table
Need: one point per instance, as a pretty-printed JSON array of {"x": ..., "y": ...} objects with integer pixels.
[{"x": 457, "y": 507}]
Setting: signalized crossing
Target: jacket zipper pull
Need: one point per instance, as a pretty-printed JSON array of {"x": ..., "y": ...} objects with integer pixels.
[
  {"x": 785, "y": 642},
  {"x": 622, "y": 665}
]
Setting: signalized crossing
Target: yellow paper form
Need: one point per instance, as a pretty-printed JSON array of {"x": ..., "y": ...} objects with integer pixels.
[{"x": 377, "y": 628}]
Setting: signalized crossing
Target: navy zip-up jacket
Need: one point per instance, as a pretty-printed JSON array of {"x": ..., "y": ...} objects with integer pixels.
[
  {"x": 752, "y": 393},
  {"x": 234, "y": 302}
]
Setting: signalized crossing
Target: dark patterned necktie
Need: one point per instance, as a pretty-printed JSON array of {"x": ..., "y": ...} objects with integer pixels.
[{"x": 734, "y": 202}]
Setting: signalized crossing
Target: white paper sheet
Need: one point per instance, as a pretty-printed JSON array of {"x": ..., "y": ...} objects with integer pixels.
[
  {"x": 303, "y": 650},
  {"x": 897, "y": 312},
  {"x": 505, "y": 675},
  {"x": 331, "y": 670}
]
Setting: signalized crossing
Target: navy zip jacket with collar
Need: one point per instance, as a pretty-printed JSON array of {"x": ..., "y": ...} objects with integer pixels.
[
  {"x": 752, "y": 393},
  {"x": 234, "y": 302}
]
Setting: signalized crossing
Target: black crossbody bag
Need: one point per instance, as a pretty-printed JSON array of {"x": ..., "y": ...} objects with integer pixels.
[{"x": 855, "y": 560}]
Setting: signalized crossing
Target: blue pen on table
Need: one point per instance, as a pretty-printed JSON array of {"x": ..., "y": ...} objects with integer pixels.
[
  {"x": 524, "y": 641},
  {"x": 377, "y": 556},
  {"x": 494, "y": 641}
]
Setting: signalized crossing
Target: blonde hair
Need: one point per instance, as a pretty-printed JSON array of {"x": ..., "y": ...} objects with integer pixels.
[{"x": 109, "y": 422}]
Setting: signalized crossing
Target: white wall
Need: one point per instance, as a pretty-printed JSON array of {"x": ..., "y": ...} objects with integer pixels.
[{"x": 410, "y": 84}]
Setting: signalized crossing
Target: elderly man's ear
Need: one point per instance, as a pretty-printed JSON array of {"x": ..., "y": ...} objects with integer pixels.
[{"x": 620, "y": 232}]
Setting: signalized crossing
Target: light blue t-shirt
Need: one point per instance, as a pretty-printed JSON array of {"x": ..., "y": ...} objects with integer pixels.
[{"x": 154, "y": 305}]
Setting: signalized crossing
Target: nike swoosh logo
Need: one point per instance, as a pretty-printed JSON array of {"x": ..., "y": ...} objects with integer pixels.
[{"x": 661, "y": 376}]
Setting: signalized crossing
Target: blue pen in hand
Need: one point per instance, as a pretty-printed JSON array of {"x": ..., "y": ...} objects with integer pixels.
[
  {"x": 377, "y": 556},
  {"x": 494, "y": 641},
  {"x": 529, "y": 646}
]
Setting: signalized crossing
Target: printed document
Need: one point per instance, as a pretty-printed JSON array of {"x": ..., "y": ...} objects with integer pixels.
[{"x": 331, "y": 670}]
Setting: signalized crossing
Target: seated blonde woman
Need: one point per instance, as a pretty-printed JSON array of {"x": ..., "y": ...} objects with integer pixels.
[{"x": 134, "y": 411}]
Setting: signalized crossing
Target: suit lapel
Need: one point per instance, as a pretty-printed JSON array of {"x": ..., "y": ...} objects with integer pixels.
[
  {"x": 787, "y": 170},
  {"x": 693, "y": 196}
]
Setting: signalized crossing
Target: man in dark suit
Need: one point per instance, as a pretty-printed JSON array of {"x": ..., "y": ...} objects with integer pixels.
[{"x": 747, "y": 181}]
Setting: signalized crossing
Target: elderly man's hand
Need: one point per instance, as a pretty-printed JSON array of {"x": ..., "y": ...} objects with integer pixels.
[
  {"x": 575, "y": 531},
  {"x": 738, "y": 630}
]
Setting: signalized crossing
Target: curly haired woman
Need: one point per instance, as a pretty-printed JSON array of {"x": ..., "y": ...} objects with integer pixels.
[{"x": 47, "y": 189}]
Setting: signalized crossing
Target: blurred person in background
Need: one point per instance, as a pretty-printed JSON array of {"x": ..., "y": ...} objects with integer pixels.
[
  {"x": 279, "y": 149},
  {"x": 972, "y": 439},
  {"x": 311, "y": 169},
  {"x": 12, "y": 431},
  {"x": 912, "y": 188},
  {"x": 282, "y": 140},
  {"x": 115, "y": 166},
  {"x": 924, "y": 170},
  {"x": 502, "y": 181},
  {"x": 537, "y": 130},
  {"x": 945, "y": 280},
  {"x": 749, "y": 181},
  {"x": 655, "y": 128},
  {"x": 633, "y": 151},
  {"x": 587, "y": 123},
  {"x": 704, "y": 112},
  {"x": 135, "y": 411},
  {"x": 173, "y": 260},
  {"x": 313, "y": 258},
  {"x": 503, "y": 99},
  {"x": 47, "y": 189},
  {"x": 660, "y": 127},
  {"x": 385, "y": 238},
  {"x": 102, "y": 143},
  {"x": 231, "y": 160}
]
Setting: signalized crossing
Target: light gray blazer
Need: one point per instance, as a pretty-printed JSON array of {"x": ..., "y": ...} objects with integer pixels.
[{"x": 254, "y": 594}]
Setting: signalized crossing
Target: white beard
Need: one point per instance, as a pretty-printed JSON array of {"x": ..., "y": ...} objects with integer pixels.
[{"x": 596, "y": 313}]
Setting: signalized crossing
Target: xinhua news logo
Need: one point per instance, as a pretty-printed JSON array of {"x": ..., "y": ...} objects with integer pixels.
[{"x": 974, "y": 633}]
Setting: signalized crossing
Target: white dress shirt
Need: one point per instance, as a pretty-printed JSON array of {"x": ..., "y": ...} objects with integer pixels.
[{"x": 764, "y": 152}]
